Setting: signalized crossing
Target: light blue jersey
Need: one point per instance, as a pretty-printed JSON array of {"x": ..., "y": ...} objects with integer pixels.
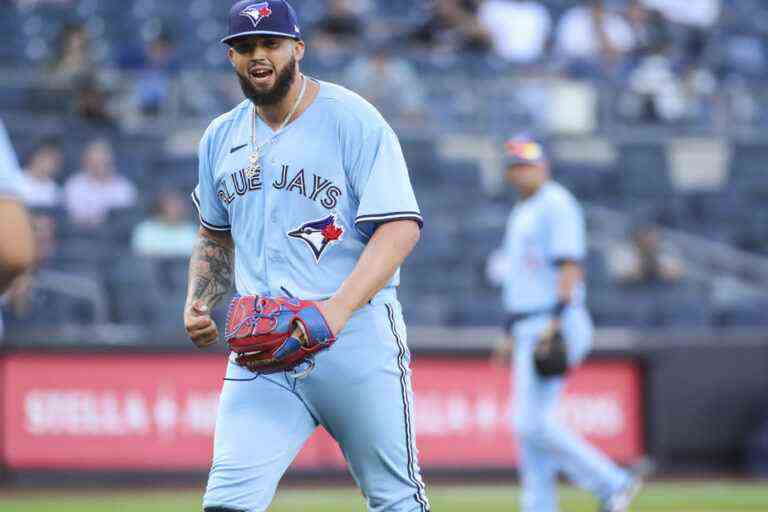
[
  {"x": 10, "y": 174},
  {"x": 302, "y": 222},
  {"x": 542, "y": 230}
]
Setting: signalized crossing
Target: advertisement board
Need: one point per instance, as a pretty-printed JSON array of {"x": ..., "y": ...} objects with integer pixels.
[{"x": 158, "y": 411}]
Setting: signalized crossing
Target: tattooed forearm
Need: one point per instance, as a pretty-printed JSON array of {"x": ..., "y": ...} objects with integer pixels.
[{"x": 210, "y": 271}]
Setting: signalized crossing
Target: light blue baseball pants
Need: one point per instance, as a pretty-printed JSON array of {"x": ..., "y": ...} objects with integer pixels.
[
  {"x": 360, "y": 392},
  {"x": 547, "y": 446}
]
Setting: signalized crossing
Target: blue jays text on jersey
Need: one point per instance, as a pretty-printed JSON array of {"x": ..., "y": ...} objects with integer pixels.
[
  {"x": 308, "y": 185},
  {"x": 325, "y": 183}
]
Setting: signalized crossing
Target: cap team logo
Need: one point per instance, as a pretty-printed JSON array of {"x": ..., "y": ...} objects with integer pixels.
[
  {"x": 319, "y": 234},
  {"x": 525, "y": 150},
  {"x": 257, "y": 12}
]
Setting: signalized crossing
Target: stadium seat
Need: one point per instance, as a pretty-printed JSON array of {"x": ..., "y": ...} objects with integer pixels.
[
  {"x": 596, "y": 269},
  {"x": 135, "y": 292},
  {"x": 748, "y": 165},
  {"x": 57, "y": 310},
  {"x": 749, "y": 313},
  {"x": 643, "y": 171},
  {"x": 121, "y": 224},
  {"x": 173, "y": 275},
  {"x": 682, "y": 308},
  {"x": 584, "y": 181},
  {"x": 421, "y": 308},
  {"x": 476, "y": 308},
  {"x": 613, "y": 307}
]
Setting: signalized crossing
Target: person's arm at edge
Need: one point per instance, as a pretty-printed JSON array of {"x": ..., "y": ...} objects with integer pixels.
[
  {"x": 386, "y": 250},
  {"x": 17, "y": 252}
]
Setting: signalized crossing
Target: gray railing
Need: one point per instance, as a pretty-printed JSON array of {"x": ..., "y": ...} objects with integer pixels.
[{"x": 706, "y": 260}]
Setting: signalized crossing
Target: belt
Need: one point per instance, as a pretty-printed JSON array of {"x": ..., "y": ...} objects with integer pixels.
[{"x": 512, "y": 318}]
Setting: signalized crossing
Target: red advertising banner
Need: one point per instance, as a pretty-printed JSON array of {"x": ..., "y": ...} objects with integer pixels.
[{"x": 157, "y": 412}]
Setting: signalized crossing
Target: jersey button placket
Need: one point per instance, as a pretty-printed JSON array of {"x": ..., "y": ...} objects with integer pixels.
[
  {"x": 267, "y": 176},
  {"x": 273, "y": 237}
]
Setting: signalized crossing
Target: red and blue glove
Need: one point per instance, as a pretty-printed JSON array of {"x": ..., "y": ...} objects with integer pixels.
[{"x": 270, "y": 335}]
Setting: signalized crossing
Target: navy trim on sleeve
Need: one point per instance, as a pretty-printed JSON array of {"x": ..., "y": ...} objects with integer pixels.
[
  {"x": 205, "y": 224},
  {"x": 381, "y": 218},
  {"x": 559, "y": 262}
]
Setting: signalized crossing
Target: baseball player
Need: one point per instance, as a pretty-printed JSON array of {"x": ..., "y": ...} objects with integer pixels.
[
  {"x": 549, "y": 331},
  {"x": 17, "y": 250},
  {"x": 305, "y": 202}
]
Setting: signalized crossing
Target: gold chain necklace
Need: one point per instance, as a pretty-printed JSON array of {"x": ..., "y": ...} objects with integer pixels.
[{"x": 255, "y": 157}]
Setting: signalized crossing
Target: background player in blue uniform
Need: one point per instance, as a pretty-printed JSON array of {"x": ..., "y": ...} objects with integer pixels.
[
  {"x": 303, "y": 188},
  {"x": 16, "y": 239},
  {"x": 544, "y": 294}
]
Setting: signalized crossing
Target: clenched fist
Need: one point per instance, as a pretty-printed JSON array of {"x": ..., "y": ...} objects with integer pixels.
[{"x": 200, "y": 326}]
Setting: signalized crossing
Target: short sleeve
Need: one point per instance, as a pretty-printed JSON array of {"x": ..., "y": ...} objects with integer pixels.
[
  {"x": 567, "y": 236},
  {"x": 212, "y": 213},
  {"x": 381, "y": 182},
  {"x": 10, "y": 174}
]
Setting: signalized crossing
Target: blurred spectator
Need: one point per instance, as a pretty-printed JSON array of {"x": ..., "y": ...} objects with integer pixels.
[
  {"x": 98, "y": 188},
  {"x": 169, "y": 231},
  {"x": 154, "y": 65},
  {"x": 651, "y": 31},
  {"x": 643, "y": 262},
  {"x": 73, "y": 58},
  {"x": 696, "y": 17},
  {"x": 90, "y": 103},
  {"x": 664, "y": 93},
  {"x": 339, "y": 32},
  {"x": 342, "y": 23},
  {"x": 154, "y": 83},
  {"x": 38, "y": 186},
  {"x": 591, "y": 37},
  {"x": 519, "y": 29},
  {"x": 697, "y": 13},
  {"x": 700, "y": 90},
  {"x": 388, "y": 82},
  {"x": 658, "y": 92},
  {"x": 453, "y": 27},
  {"x": 670, "y": 82}
]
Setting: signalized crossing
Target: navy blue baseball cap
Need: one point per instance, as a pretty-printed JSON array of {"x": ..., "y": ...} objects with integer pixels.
[
  {"x": 524, "y": 150},
  {"x": 262, "y": 18}
]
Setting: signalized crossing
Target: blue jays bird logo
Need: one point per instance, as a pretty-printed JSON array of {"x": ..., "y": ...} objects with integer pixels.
[
  {"x": 319, "y": 234},
  {"x": 257, "y": 12}
]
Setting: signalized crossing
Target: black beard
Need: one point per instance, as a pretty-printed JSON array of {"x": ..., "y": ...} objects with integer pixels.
[{"x": 278, "y": 92}]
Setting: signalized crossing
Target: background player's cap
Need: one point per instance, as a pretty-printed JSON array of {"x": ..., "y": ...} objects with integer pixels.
[
  {"x": 523, "y": 150},
  {"x": 262, "y": 18}
]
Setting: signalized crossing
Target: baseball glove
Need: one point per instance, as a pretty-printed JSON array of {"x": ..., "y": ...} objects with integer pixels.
[
  {"x": 260, "y": 330},
  {"x": 549, "y": 357}
]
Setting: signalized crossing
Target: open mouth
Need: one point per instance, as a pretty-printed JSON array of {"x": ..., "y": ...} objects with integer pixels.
[{"x": 260, "y": 74}]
